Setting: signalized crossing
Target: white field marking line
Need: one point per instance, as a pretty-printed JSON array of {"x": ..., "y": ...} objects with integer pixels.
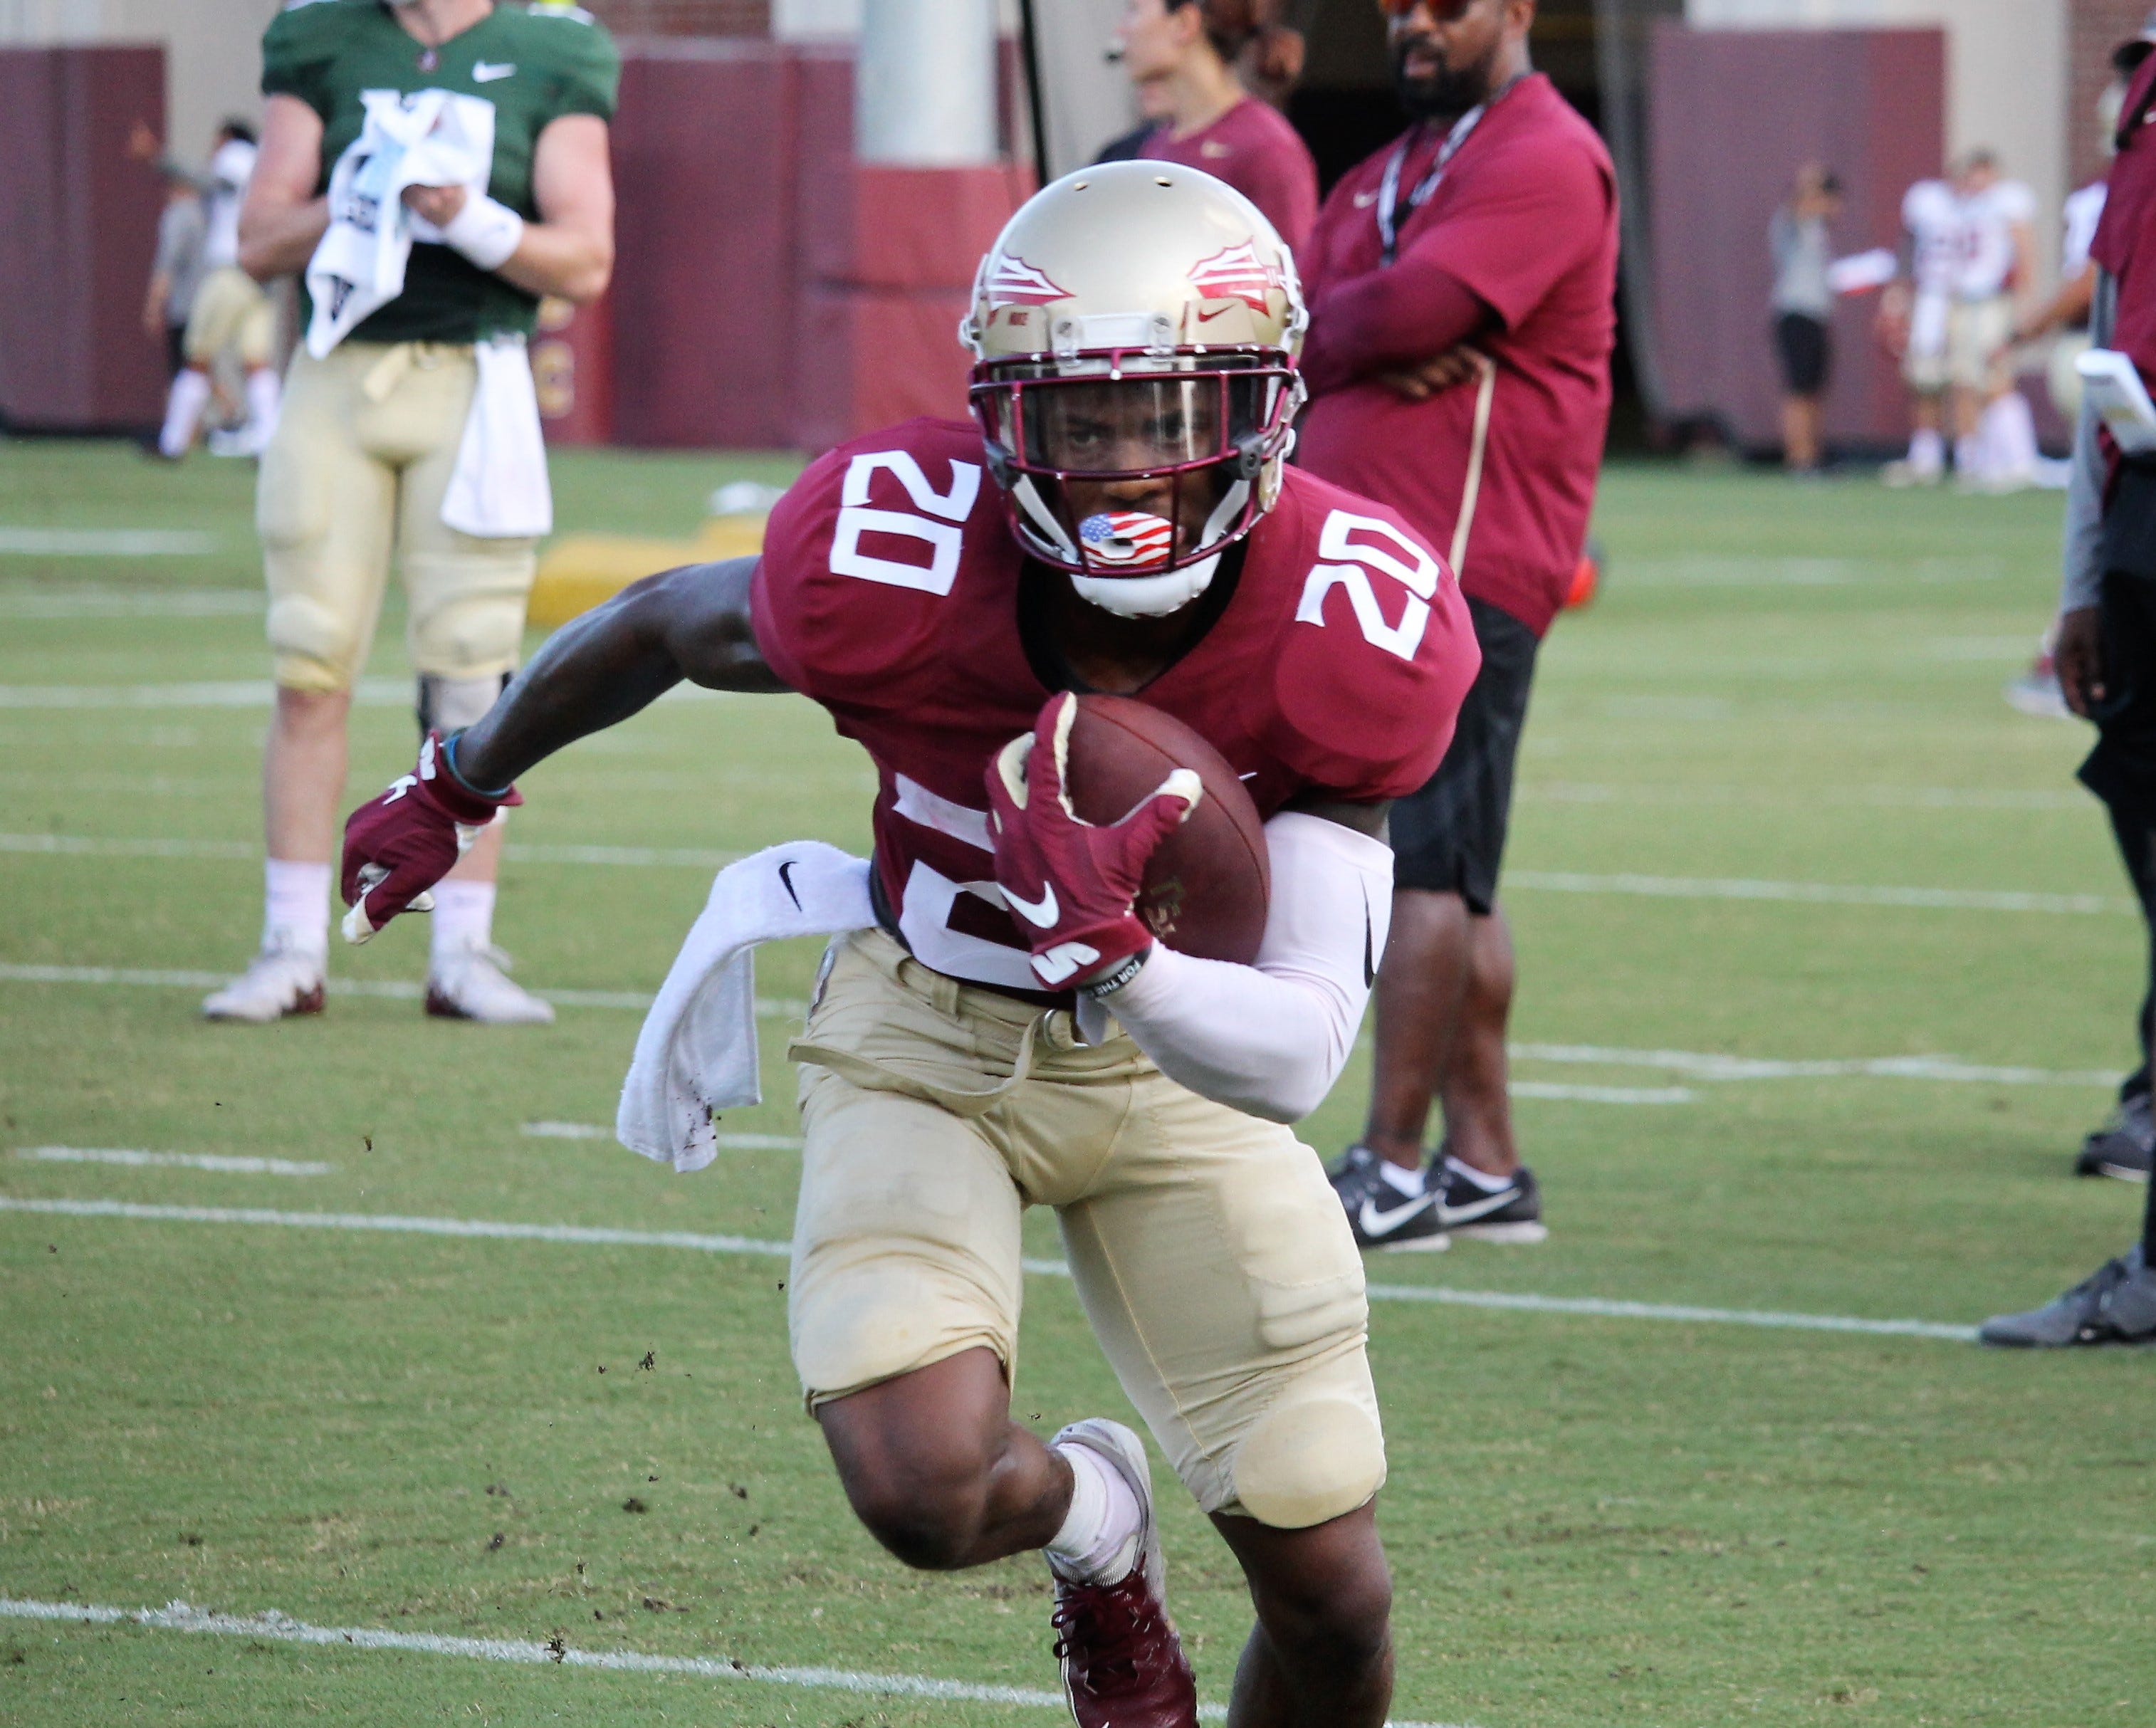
[
  {"x": 228, "y": 693},
  {"x": 133, "y": 603},
  {"x": 1600, "y": 1095},
  {"x": 240, "y": 693},
  {"x": 1595, "y": 1306},
  {"x": 1693, "y": 1064},
  {"x": 1977, "y": 899},
  {"x": 519, "y": 852},
  {"x": 1835, "y": 893},
  {"x": 1703, "y": 1066},
  {"x": 769, "y": 1007},
  {"x": 180, "y": 1616},
  {"x": 106, "y": 543},
  {"x": 189, "y": 1161},
  {"x": 1886, "y": 798},
  {"x": 725, "y": 1142}
]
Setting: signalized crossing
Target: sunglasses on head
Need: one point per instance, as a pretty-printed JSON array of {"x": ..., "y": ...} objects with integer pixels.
[{"x": 1444, "y": 12}]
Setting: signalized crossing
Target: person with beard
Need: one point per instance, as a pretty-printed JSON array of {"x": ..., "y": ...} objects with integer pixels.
[{"x": 1462, "y": 284}]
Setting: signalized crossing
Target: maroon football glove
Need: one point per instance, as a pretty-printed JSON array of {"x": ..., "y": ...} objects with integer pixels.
[
  {"x": 1069, "y": 884},
  {"x": 398, "y": 846}
]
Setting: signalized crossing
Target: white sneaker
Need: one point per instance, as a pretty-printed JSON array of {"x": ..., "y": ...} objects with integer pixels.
[
  {"x": 1905, "y": 473},
  {"x": 285, "y": 978},
  {"x": 474, "y": 984}
]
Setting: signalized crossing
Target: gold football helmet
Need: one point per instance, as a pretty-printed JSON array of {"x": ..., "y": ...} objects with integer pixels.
[{"x": 1134, "y": 330}]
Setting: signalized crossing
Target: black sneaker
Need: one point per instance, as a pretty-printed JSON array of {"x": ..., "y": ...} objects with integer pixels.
[
  {"x": 2123, "y": 1147},
  {"x": 2114, "y": 1305},
  {"x": 1377, "y": 1213},
  {"x": 1464, "y": 1207}
]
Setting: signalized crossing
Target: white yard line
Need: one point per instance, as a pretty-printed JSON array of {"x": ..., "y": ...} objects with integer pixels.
[
  {"x": 1725, "y": 888},
  {"x": 773, "y": 1007},
  {"x": 519, "y": 852},
  {"x": 282, "y": 1628},
  {"x": 1693, "y": 1064},
  {"x": 593, "y": 1235},
  {"x": 1600, "y": 1095},
  {"x": 230, "y": 693},
  {"x": 1833, "y": 894},
  {"x": 187, "y": 1161},
  {"x": 106, "y": 543},
  {"x": 727, "y": 1142},
  {"x": 84, "y": 602}
]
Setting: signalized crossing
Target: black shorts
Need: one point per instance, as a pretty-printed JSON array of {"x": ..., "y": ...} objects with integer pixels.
[
  {"x": 1801, "y": 341},
  {"x": 1449, "y": 836}
]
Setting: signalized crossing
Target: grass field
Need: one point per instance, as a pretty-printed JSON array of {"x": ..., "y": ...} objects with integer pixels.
[{"x": 1786, "y": 702}]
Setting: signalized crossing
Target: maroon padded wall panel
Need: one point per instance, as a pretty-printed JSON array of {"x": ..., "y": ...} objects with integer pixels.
[
  {"x": 77, "y": 231},
  {"x": 1731, "y": 115},
  {"x": 703, "y": 296}
]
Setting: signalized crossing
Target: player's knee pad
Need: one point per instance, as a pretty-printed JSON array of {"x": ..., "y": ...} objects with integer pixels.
[
  {"x": 467, "y": 618},
  {"x": 445, "y": 704},
  {"x": 1317, "y": 1451},
  {"x": 315, "y": 648}
]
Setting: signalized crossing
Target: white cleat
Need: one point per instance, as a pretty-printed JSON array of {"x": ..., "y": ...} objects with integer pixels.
[
  {"x": 284, "y": 979},
  {"x": 474, "y": 984}
]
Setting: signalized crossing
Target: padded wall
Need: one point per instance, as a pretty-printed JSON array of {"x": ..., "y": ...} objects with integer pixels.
[
  {"x": 78, "y": 232},
  {"x": 1731, "y": 114},
  {"x": 769, "y": 291}
]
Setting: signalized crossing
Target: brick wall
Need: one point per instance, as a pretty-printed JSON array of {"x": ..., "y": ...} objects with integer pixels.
[
  {"x": 2094, "y": 27},
  {"x": 684, "y": 17}
]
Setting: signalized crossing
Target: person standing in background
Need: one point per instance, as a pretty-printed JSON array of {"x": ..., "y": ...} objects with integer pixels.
[
  {"x": 1802, "y": 303},
  {"x": 489, "y": 125},
  {"x": 232, "y": 315},
  {"x": 1462, "y": 288},
  {"x": 175, "y": 271},
  {"x": 1180, "y": 56},
  {"x": 2106, "y": 661}
]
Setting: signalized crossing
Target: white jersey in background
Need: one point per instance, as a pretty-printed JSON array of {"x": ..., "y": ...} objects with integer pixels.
[
  {"x": 229, "y": 171},
  {"x": 1932, "y": 214},
  {"x": 2081, "y": 213},
  {"x": 1989, "y": 218}
]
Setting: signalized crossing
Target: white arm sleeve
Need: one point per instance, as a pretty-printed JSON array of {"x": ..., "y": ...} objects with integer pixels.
[{"x": 1270, "y": 1039}]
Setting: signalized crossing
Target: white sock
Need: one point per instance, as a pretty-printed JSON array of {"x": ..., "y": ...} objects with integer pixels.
[
  {"x": 1402, "y": 1180},
  {"x": 1482, "y": 1179},
  {"x": 1927, "y": 449},
  {"x": 463, "y": 917},
  {"x": 1968, "y": 458},
  {"x": 2010, "y": 433},
  {"x": 1098, "y": 1543},
  {"x": 183, "y": 411},
  {"x": 295, "y": 905},
  {"x": 264, "y": 394}
]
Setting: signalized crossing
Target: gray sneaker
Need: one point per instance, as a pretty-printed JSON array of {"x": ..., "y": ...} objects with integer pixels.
[
  {"x": 2115, "y": 1304},
  {"x": 2123, "y": 1147}
]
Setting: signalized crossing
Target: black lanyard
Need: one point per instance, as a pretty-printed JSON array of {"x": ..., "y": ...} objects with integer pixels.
[{"x": 1388, "y": 190}]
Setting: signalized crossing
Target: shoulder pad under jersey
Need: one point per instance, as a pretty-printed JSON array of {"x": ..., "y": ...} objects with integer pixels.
[
  {"x": 1376, "y": 649},
  {"x": 860, "y": 558}
]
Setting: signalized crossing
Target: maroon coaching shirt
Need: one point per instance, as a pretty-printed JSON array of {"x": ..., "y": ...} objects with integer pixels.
[
  {"x": 1255, "y": 151},
  {"x": 1525, "y": 220}
]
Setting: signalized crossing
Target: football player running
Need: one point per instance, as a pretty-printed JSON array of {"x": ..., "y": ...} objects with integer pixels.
[{"x": 1135, "y": 328}]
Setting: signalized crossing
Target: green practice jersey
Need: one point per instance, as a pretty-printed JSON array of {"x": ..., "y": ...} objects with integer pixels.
[{"x": 533, "y": 63}]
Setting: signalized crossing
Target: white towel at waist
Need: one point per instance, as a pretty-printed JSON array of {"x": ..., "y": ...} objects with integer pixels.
[
  {"x": 426, "y": 138},
  {"x": 499, "y": 488},
  {"x": 697, "y": 1054}
]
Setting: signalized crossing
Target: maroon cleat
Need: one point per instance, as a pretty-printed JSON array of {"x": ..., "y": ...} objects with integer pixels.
[{"x": 1123, "y": 1666}]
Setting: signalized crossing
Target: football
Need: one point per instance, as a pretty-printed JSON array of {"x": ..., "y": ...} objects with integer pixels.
[{"x": 1207, "y": 887}]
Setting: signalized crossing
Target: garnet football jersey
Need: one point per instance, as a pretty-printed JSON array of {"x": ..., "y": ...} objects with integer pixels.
[{"x": 889, "y": 591}]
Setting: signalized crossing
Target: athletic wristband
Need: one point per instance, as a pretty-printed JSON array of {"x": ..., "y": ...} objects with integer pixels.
[
  {"x": 485, "y": 231},
  {"x": 449, "y": 761},
  {"x": 1114, "y": 979}
]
